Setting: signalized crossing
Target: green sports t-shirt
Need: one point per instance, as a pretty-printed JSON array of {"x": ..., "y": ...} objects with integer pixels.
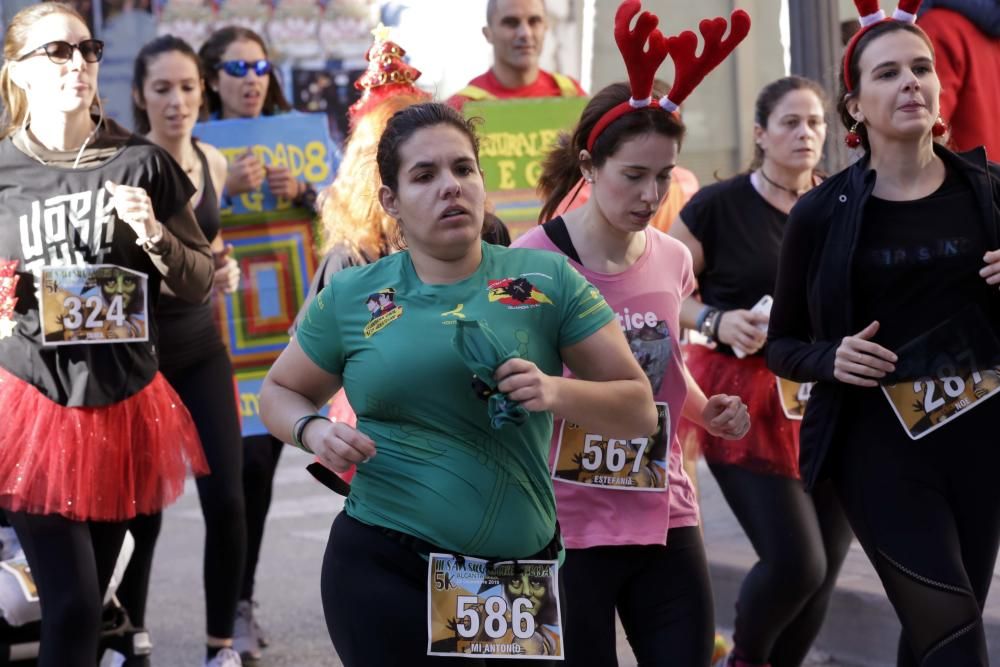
[{"x": 442, "y": 473}]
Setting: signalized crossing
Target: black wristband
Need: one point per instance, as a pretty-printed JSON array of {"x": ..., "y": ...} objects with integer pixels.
[
  {"x": 709, "y": 325},
  {"x": 715, "y": 325},
  {"x": 300, "y": 426},
  {"x": 307, "y": 198}
]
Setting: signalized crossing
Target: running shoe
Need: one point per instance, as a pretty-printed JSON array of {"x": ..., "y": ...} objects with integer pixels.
[
  {"x": 721, "y": 651},
  {"x": 10, "y": 546},
  {"x": 246, "y": 637},
  {"x": 262, "y": 639},
  {"x": 227, "y": 657}
]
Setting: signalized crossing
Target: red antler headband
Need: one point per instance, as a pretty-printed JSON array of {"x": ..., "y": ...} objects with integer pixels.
[
  {"x": 869, "y": 14},
  {"x": 642, "y": 61}
]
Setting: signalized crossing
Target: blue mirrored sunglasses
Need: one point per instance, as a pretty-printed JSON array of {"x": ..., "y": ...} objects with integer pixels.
[{"x": 239, "y": 68}]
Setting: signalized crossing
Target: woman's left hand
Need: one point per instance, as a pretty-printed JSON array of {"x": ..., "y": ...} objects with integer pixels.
[
  {"x": 135, "y": 209},
  {"x": 524, "y": 382},
  {"x": 726, "y": 417},
  {"x": 282, "y": 183},
  {"x": 991, "y": 272}
]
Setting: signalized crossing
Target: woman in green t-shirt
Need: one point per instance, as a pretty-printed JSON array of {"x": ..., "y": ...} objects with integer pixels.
[{"x": 455, "y": 375}]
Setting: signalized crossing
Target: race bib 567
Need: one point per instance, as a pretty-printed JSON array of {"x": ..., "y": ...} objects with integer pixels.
[{"x": 591, "y": 459}]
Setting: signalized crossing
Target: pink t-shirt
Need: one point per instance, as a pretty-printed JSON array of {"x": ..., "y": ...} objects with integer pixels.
[{"x": 647, "y": 298}]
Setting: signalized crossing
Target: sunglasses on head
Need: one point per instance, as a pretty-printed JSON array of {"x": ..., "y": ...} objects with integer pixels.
[
  {"x": 61, "y": 52},
  {"x": 239, "y": 68}
]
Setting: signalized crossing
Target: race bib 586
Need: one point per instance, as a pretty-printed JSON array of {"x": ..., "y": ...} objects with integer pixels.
[{"x": 478, "y": 609}]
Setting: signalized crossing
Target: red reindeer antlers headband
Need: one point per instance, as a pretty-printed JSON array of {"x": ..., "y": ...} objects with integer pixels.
[
  {"x": 870, "y": 14},
  {"x": 644, "y": 49}
]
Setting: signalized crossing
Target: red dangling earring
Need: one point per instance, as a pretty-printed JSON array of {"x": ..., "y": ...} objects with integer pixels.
[
  {"x": 939, "y": 127},
  {"x": 852, "y": 138}
]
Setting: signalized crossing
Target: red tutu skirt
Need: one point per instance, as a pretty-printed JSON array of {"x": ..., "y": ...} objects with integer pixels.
[
  {"x": 772, "y": 445},
  {"x": 95, "y": 464}
]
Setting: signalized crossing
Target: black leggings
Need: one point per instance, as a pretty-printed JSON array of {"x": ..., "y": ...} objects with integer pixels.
[
  {"x": 663, "y": 596},
  {"x": 72, "y": 563},
  {"x": 928, "y": 516},
  {"x": 260, "y": 461},
  {"x": 374, "y": 593},
  {"x": 206, "y": 388},
  {"x": 801, "y": 540}
]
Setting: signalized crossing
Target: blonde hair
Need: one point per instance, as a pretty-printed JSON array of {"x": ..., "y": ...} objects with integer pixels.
[
  {"x": 351, "y": 215},
  {"x": 12, "y": 97}
]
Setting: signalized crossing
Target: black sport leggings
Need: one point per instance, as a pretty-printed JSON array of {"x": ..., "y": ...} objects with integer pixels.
[
  {"x": 260, "y": 461},
  {"x": 801, "y": 540},
  {"x": 72, "y": 563},
  {"x": 928, "y": 516},
  {"x": 206, "y": 388},
  {"x": 663, "y": 596},
  {"x": 374, "y": 592}
]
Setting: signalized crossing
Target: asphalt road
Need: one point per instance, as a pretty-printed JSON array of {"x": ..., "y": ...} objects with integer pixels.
[{"x": 287, "y": 578}]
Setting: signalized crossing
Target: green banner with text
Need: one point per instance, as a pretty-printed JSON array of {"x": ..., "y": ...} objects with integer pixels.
[{"x": 515, "y": 137}]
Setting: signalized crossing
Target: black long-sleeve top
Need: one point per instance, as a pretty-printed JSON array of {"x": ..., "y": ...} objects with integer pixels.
[
  {"x": 57, "y": 215},
  {"x": 814, "y": 307}
]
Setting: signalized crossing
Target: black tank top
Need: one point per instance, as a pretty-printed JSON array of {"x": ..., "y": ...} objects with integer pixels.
[
  {"x": 188, "y": 333},
  {"x": 207, "y": 210}
]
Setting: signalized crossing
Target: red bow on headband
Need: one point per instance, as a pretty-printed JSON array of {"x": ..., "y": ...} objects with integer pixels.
[
  {"x": 869, "y": 14},
  {"x": 644, "y": 49}
]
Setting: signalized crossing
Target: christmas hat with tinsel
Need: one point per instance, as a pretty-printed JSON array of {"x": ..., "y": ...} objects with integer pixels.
[
  {"x": 387, "y": 75},
  {"x": 870, "y": 14},
  {"x": 644, "y": 48}
]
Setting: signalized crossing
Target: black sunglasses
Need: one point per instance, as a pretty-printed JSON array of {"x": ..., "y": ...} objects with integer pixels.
[
  {"x": 61, "y": 52},
  {"x": 239, "y": 68}
]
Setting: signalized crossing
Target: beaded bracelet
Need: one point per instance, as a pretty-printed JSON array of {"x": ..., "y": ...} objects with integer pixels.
[{"x": 300, "y": 426}]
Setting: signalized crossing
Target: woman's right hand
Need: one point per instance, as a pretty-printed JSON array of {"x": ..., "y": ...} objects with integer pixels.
[
  {"x": 337, "y": 445},
  {"x": 861, "y": 362},
  {"x": 246, "y": 174},
  {"x": 227, "y": 271},
  {"x": 740, "y": 330}
]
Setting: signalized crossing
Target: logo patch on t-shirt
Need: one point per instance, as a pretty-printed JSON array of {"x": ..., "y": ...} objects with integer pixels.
[
  {"x": 516, "y": 293},
  {"x": 383, "y": 309}
]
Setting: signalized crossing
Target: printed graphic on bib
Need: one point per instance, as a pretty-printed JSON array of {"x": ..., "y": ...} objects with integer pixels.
[
  {"x": 383, "y": 309},
  {"x": 509, "y": 609},
  {"x": 639, "y": 464},
  {"x": 944, "y": 373},
  {"x": 794, "y": 397},
  {"x": 101, "y": 303}
]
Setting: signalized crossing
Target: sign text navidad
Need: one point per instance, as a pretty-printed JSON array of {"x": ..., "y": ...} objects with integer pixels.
[
  {"x": 299, "y": 141},
  {"x": 309, "y": 162}
]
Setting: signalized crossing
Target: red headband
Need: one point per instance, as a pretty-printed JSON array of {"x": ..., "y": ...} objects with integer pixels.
[
  {"x": 641, "y": 61},
  {"x": 870, "y": 14}
]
